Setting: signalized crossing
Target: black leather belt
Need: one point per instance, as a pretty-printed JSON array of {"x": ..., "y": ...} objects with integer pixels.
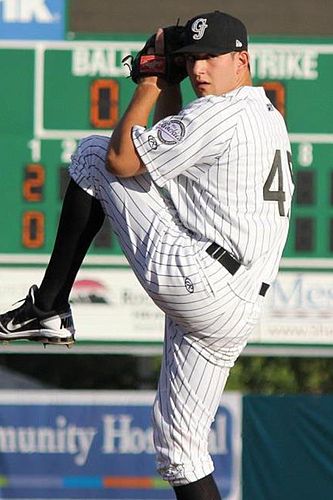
[
  {"x": 232, "y": 265},
  {"x": 220, "y": 254},
  {"x": 263, "y": 289}
]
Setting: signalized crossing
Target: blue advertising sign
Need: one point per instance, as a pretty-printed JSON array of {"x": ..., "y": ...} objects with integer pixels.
[
  {"x": 77, "y": 445},
  {"x": 33, "y": 19}
]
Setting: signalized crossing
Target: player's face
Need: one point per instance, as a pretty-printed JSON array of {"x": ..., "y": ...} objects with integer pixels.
[{"x": 214, "y": 75}]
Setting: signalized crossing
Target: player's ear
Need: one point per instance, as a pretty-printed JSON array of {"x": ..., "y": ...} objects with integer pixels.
[{"x": 243, "y": 60}]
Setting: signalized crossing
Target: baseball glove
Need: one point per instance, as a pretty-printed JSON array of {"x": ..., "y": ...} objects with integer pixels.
[{"x": 167, "y": 66}]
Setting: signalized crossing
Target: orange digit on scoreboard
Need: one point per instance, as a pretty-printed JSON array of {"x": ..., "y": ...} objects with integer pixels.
[
  {"x": 104, "y": 103},
  {"x": 33, "y": 183},
  {"x": 33, "y": 225}
]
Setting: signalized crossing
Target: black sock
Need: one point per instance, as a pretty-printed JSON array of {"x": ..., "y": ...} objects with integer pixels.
[
  {"x": 81, "y": 218},
  {"x": 204, "y": 489}
]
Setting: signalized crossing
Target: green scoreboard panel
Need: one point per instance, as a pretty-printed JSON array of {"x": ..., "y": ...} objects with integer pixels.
[{"x": 54, "y": 93}]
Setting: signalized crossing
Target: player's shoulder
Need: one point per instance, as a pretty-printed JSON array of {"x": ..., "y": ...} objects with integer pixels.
[
  {"x": 196, "y": 105},
  {"x": 255, "y": 94},
  {"x": 245, "y": 94},
  {"x": 201, "y": 104},
  {"x": 257, "y": 101}
]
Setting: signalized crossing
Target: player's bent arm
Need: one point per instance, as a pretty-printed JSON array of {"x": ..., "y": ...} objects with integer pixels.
[
  {"x": 122, "y": 158},
  {"x": 168, "y": 103}
]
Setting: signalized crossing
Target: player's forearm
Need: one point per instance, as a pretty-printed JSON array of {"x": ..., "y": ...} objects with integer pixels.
[
  {"x": 168, "y": 103},
  {"x": 122, "y": 158}
]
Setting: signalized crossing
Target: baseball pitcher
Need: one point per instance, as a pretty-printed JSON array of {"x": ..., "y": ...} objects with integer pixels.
[{"x": 200, "y": 202}]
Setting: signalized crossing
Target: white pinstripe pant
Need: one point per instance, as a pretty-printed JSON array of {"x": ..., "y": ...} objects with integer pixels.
[{"x": 207, "y": 324}]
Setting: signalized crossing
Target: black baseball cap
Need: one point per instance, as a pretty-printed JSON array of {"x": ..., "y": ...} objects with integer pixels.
[{"x": 214, "y": 33}]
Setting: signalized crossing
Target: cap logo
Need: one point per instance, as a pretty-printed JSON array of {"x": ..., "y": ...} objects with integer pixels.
[
  {"x": 199, "y": 27},
  {"x": 239, "y": 44}
]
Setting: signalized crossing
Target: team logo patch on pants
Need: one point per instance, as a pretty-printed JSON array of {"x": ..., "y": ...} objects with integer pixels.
[{"x": 189, "y": 285}]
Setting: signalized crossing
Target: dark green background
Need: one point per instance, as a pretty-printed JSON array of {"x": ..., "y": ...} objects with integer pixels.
[{"x": 287, "y": 447}]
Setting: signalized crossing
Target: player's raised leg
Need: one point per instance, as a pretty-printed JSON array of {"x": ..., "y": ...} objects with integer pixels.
[{"x": 133, "y": 206}]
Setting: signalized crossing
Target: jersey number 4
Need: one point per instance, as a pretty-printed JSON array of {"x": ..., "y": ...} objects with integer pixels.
[{"x": 280, "y": 194}]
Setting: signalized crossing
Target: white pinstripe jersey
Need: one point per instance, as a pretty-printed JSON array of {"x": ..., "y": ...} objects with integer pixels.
[{"x": 225, "y": 162}]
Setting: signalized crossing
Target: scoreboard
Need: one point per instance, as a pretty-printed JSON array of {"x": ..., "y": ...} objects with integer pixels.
[{"x": 54, "y": 93}]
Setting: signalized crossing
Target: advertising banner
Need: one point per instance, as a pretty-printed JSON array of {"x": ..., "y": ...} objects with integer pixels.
[
  {"x": 110, "y": 306},
  {"x": 298, "y": 310},
  {"x": 82, "y": 445},
  {"x": 32, "y": 19}
]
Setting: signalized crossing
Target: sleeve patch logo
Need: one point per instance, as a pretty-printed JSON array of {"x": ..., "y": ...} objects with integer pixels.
[
  {"x": 152, "y": 142},
  {"x": 170, "y": 131}
]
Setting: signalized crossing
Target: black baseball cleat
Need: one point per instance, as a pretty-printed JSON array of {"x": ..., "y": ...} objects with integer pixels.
[{"x": 30, "y": 323}]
